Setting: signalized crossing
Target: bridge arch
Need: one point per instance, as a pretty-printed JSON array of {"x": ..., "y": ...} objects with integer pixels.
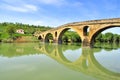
[
  {"x": 98, "y": 31},
  {"x": 63, "y": 30},
  {"x": 48, "y": 37}
]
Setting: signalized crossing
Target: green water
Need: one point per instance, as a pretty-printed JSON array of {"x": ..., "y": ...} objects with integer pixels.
[{"x": 35, "y": 61}]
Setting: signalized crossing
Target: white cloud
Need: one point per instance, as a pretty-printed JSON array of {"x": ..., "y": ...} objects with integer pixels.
[
  {"x": 77, "y": 4},
  {"x": 31, "y": 7},
  {"x": 23, "y": 8},
  {"x": 18, "y": 5},
  {"x": 52, "y": 2},
  {"x": 35, "y": 22},
  {"x": 31, "y": 22},
  {"x": 49, "y": 1}
]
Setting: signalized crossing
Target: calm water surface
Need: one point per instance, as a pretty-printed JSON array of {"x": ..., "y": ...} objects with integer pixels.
[{"x": 35, "y": 61}]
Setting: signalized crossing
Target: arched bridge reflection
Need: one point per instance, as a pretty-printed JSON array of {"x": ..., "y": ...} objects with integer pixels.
[{"x": 86, "y": 63}]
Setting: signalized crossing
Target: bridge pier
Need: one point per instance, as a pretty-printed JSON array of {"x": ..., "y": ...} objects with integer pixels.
[
  {"x": 86, "y": 43},
  {"x": 55, "y": 40}
]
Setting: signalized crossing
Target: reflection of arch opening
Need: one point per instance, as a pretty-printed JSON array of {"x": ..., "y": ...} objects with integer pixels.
[
  {"x": 86, "y": 30},
  {"x": 110, "y": 59},
  {"x": 72, "y": 53},
  {"x": 49, "y": 38},
  {"x": 68, "y": 35},
  {"x": 92, "y": 41},
  {"x": 61, "y": 53},
  {"x": 98, "y": 65},
  {"x": 49, "y": 48}
]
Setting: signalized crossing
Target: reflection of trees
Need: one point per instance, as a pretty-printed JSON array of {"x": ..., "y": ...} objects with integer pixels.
[
  {"x": 17, "y": 49},
  {"x": 86, "y": 63},
  {"x": 66, "y": 47},
  {"x": 108, "y": 47}
]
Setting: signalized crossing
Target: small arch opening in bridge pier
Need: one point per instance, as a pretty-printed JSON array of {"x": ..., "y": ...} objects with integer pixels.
[
  {"x": 86, "y": 31},
  {"x": 69, "y": 35},
  {"x": 40, "y": 38},
  {"x": 49, "y": 38},
  {"x": 106, "y": 35},
  {"x": 55, "y": 34}
]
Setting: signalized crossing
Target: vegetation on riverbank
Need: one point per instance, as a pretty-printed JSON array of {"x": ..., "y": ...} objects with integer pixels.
[
  {"x": 71, "y": 36},
  {"x": 8, "y": 31}
]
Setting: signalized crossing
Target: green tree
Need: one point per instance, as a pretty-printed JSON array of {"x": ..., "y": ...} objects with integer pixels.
[
  {"x": 65, "y": 38},
  {"x": 0, "y": 36},
  {"x": 108, "y": 37},
  {"x": 116, "y": 38},
  {"x": 10, "y": 30},
  {"x": 99, "y": 38}
]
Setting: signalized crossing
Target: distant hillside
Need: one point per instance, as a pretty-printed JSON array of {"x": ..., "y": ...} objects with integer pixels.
[{"x": 10, "y": 31}]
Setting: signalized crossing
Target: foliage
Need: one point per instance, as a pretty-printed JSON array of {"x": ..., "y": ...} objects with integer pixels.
[
  {"x": 8, "y": 30},
  {"x": 108, "y": 37},
  {"x": 99, "y": 38},
  {"x": 71, "y": 36}
]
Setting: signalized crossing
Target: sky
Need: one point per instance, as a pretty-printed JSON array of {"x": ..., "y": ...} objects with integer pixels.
[{"x": 57, "y": 12}]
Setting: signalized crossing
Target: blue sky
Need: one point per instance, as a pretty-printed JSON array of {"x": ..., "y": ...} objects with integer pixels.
[{"x": 57, "y": 12}]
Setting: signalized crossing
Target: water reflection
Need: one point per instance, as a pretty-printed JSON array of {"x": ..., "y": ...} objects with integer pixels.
[
  {"x": 85, "y": 62},
  {"x": 18, "y": 49}
]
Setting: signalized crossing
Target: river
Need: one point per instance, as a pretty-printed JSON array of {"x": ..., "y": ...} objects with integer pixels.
[{"x": 38, "y": 61}]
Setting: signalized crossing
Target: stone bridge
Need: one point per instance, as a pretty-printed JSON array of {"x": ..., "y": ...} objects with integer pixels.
[
  {"x": 86, "y": 63},
  {"x": 87, "y": 30}
]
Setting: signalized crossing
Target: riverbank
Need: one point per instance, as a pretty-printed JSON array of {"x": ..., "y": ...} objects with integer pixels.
[{"x": 21, "y": 39}]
